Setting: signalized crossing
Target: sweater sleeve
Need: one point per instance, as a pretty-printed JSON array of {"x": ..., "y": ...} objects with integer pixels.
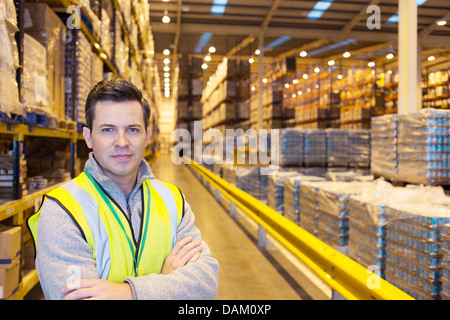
[
  {"x": 62, "y": 254},
  {"x": 196, "y": 280}
]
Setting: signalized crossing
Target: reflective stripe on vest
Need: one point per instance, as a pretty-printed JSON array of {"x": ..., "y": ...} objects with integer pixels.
[{"x": 108, "y": 231}]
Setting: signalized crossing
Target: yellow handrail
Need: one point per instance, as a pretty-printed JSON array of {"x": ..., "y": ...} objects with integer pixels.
[{"x": 346, "y": 276}]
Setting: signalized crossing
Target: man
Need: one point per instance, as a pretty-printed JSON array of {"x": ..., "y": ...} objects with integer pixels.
[{"x": 115, "y": 231}]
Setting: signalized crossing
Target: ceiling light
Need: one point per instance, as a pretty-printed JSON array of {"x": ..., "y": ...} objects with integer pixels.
[
  {"x": 167, "y": 85},
  {"x": 331, "y": 63},
  {"x": 204, "y": 66},
  {"x": 253, "y": 88},
  {"x": 305, "y": 76},
  {"x": 303, "y": 54},
  {"x": 295, "y": 81},
  {"x": 166, "y": 52},
  {"x": 431, "y": 58},
  {"x": 166, "y": 61},
  {"x": 294, "y": 95},
  {"x": 212, "y": 49},
  {"x": 346, "y": 54},
  {"x": 165, "y": 0},
  {"x": 371, "y": 64},
  {"x": 166, "y": 69},
  {"x": 317, "y": 70},
  {"x": 251, "y": 60},
  {"x": 166, "y": 75},
  {"x": 208, "y": 58},
  {"x": 339, "y": 76},
  {"x": 264, "y": 80},
  {"x": 390, "y": 56},
  {"x": 441, "y": 23},
  {"x": 299, "y": 93},
  {"x": 166, "y": 80},
  {"x": 165, "y": 18},
  {"x": 257, "y": 52},
  {"x": 286, "y": 85}
]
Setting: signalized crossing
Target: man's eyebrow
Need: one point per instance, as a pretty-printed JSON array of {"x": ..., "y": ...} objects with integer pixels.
[{"x": 113, "y": 125}]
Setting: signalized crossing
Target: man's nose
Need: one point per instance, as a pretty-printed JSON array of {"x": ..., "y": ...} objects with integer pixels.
[{"x": 121, "y": 139}]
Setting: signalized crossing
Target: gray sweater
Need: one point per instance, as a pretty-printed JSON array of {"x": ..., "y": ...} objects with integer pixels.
[{"x": 63, "y": 254}]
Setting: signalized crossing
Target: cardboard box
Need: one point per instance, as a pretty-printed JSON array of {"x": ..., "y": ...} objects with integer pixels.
[
  {"x": 45, "y": 26},
  {"x": 9, "y": 281},
  {"x": 10, "y": 239}
]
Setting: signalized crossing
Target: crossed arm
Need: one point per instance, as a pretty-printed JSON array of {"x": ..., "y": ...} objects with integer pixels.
[
  {"x": 185, "y": 251},
  {"x": 189, "y": 271}
]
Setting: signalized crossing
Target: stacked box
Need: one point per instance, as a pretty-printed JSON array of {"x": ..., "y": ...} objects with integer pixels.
[
  {"x": 384, "y": 156},
  {"x": 78, "y": 65},
  {"x": 445, "y": 294},
  {"x": 333, "y": 209},
  {"x": 337, "y": 147},
  {"x": 359, "y": 148},
  {"x": 414, "y": 248},
  {"x": 315, "y": 148},
  {"x": 308, "y": 219},
  {"x": 35, "y": 76},
  {"x": 276, "y": 190},
  {"x": 10, "y": 242},
  {"x": 424, "y": 147},
  {"x": 367, "y": 232},
  {"x": 250, "y": 180},
  {"x": 9, "y": 61},
  {"x": 292, "y": 195},
  {"x": 46, "y": 27},
  {"x": 291, "y": 147}
]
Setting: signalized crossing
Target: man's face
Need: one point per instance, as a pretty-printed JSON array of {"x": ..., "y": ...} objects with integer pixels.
[{"x": 118, "y": 138}]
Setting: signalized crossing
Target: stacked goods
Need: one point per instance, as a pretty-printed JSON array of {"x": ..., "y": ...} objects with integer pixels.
[
  {"x": 308, "y": 207},
  {"x": 333, "y": 209},
  {"x": 367, "y": 226},
  {"x": 348, "y": 176},
  {"x": 413, "y": 242},
  {"x": 47, "y": 28},
  {"x": 36, "y": 86},
  {"x": 445, "y": 294},
  {"x": 359, "y": 148},
  {"x": 276, "y": 190},
  {"x": 9, "y": 61},
  {"x": 291, "y": 147},
  {"x": 423, "y": 147},
  {"x": 250, "y": 180},
  {"x": 337, "y": 147},
  {"x": 10, "y": 242},
  {"x": 78, "y": 63},
  {"x": 384, "y": 157},
  {"x": 315, "y": 147},
  {"x": 292, "y": 195}
]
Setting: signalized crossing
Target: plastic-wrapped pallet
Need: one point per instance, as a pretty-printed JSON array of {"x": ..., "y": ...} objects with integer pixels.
[
  {"x": 291, "y": 147},
  {"x": 35, "y": 83},
  {"x": 384, "y": 157},
  {"x": 337, "y": 147},
  {"x": 445, "y": 294},
  {"x": 276, "y": 190},
  {"x": 367, "y": 226},
  {"x": 9, "y": 61},
  {"x": 423, "y": 147},
  {"x": 348, "y": 176},
  {"x": 359, "y": 148},
  {"x": 250, "y": 180},
  {"x": 333, "y": 209},
  {"x": 413, "y": 243},
  {"x": 315, "y": 148},
  {"x": 292, "y": 195},
  {"x": 308, "y": 207}
]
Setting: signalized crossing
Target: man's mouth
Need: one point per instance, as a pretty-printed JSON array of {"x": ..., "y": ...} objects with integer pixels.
[{"x": 122, "y": 156}]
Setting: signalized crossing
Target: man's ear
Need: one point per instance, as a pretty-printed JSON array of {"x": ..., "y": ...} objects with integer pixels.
[
  {"x": 149, "y": 134},
  {"x": 87, "y": 137}
]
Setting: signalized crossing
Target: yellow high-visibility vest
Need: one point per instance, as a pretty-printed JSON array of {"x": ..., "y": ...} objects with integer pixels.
[{"x": 107, "y": 229}]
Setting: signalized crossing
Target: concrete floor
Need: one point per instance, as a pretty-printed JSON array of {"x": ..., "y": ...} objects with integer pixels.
[{"x": 246, "y": 272}]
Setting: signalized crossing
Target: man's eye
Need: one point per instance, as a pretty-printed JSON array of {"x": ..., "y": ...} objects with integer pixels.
[
  {"x": 133, "y": 130},
  {"x": 106, "y": 130}
]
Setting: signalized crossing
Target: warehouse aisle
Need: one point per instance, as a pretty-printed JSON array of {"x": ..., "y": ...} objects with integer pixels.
[{"x": 245, "y": 272}]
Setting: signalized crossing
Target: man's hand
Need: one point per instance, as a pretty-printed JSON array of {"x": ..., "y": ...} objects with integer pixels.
[
  {"x": 98, "y": 289},
  {"x": 183, "y": 252}
]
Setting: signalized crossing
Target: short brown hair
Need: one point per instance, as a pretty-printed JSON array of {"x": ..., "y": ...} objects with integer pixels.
[{"x": 116, "y": 90}]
